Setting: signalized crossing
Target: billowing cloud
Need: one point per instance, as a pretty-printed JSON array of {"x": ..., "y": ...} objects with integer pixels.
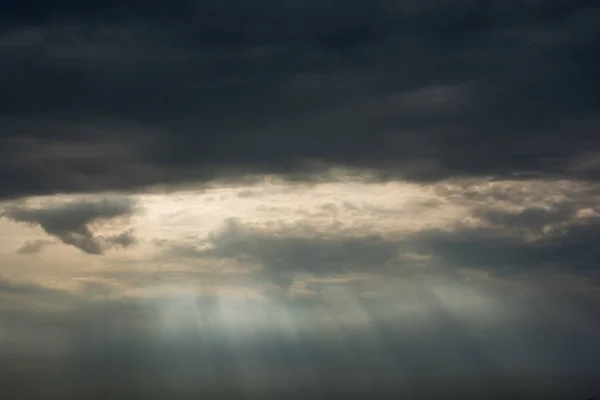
[{"x": 72, "y": 222}]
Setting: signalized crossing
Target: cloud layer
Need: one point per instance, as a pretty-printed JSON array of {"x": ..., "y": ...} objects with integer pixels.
[{"x": 114, "y": 97}]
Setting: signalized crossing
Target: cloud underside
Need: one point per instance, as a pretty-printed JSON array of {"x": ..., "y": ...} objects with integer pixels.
[
  {"x": 94, "y": 101},
  {"x": 71, "y": 223}
]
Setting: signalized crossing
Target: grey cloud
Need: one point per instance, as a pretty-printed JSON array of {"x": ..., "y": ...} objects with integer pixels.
[
  {"x": 33, "y": 246},
  {"x": 123, "y": 240},
  {"x": 424, "y": 91},
  {"x": 535, "y": 220},
  {"x": 72, "y": 222},
  {"x": 249, "y": 194},
  {"x": 572, "y": 248},
  {"x": 285, "y": 256}
]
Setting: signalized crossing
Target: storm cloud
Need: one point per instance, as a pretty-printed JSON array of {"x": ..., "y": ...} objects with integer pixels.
[{"x": 417, "y": 90}]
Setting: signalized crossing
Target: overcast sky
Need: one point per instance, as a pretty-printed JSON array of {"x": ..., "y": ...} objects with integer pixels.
[{"x": 313, "y": 198}]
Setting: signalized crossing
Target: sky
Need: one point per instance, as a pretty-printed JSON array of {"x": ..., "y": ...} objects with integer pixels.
[{"x": 310, "y": 198}]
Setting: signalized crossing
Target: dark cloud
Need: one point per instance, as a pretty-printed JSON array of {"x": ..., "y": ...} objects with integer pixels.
[
  {"x": 570, "y": 248},
  {"x": 283, "y": 257},
  {"x": 122, "y": 240},
  {"x": 192, "y": 91},
  {"x": 72, "y": 222}
]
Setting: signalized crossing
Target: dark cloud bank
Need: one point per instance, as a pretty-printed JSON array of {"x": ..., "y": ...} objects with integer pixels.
[{"x": 122, "y": 94}]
